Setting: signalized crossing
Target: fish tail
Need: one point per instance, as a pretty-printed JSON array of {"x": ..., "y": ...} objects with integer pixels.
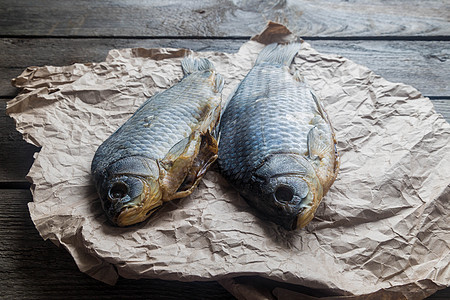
[
  {"x": 281, "y": 54},
  {"x": 218, "y": 83},
  {"x": 191, "y": 65}
]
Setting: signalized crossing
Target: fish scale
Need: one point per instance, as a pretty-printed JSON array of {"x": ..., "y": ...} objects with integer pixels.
[{"x": 276, "y": 146}]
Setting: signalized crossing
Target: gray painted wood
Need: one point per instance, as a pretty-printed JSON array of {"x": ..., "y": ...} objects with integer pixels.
[
  {"x": 422, "y": 64},
  {"x": 442, "y": 106},
  {"x": 16, "y": 156},
  {"x": 223, "y": 18}
]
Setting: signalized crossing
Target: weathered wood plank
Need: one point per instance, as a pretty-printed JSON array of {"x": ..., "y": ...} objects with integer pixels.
[
  {"x": 23, "y": 52},
  {"x": 442, "y": 106},
  {"x": 422, "y": 64},
  {"x": 440, "y": 295},
  {"x": 16, "y": 156},
  {"x": 223, "y": 18},
  {"x": 6, "y": 74}
]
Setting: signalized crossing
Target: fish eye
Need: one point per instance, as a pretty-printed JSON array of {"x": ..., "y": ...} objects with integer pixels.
[
  {"x": 118, "y": 191},
  {"x": 284, "y": 194}
]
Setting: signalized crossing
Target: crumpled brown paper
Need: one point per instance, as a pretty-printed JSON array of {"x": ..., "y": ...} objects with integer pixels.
[{"x": 383, "y": 226}]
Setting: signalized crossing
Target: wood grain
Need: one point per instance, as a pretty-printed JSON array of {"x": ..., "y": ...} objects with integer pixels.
[
  {"x": 442, "y": 106},
  {"x": 227, "y": 18},
  {"x": 422, "y": 64},
  {"x": 16, "y": 156}
]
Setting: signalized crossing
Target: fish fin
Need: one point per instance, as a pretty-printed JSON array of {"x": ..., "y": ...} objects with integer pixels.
[
  {"x": 282, "y": 54},
  {"x": 318, "y": 143},
  {"x": 204, "y": 159},
  {"x": 191, "y": 65},
  {"x": 319, "y": 105},
  {"x": 299, "y": 77},
  {"x": 176, "y": 151},
  {"x": 175, "y": 165},
  {"x": 186, "y": 163},
  {"x": 324, "y": 115},
  {"x": 214, "y": 128},
  {"x": 190, "y": 167},
  {"x": 323, "y": 155},
  {"x": 218, "y": 83}
]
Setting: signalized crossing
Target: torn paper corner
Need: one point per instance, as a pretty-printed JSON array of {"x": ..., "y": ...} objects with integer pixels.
[{"x": 382, "y": 226}]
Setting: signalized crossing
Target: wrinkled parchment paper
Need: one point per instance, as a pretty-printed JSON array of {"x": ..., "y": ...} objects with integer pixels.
[{"x": 383, "y": 227}]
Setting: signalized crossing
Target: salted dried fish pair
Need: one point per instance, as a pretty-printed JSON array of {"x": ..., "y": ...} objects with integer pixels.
[{"x": 276, "y": 144}]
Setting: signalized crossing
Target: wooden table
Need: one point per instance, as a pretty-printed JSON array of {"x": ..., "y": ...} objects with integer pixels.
[{"x": 403, "y": 41}]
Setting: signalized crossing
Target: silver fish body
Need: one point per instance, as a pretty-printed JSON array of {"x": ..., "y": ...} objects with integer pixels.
[
  {"x": 161, "y": 152},
  {"x": 277, "y": 146}
]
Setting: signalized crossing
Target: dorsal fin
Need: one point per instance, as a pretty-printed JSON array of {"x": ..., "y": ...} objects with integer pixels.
[
  {"x": 191, "y": 65},
  {"x": 281, "y": 54},
  {"x": 298, "y": 76},
  {"x": 218, "y": 83}
]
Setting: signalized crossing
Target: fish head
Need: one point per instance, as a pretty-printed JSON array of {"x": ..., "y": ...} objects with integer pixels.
[
  {"x": 286, "y": 191},
  {"x": 130, "y": 191}
]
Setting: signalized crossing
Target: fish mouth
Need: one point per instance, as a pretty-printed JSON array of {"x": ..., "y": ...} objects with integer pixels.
[
  {"x": 306, "y": 214},
  {"x": 294, "y": 219},
  {"x": 305, "y": 217},
  {"x": 295, "y": 212},
  {"x": 133, "y": 214},
  {"x": 288, "y": 216}
]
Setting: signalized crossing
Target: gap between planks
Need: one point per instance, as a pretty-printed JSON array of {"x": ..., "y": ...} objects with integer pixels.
[{"x": 419, "y": 38}]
